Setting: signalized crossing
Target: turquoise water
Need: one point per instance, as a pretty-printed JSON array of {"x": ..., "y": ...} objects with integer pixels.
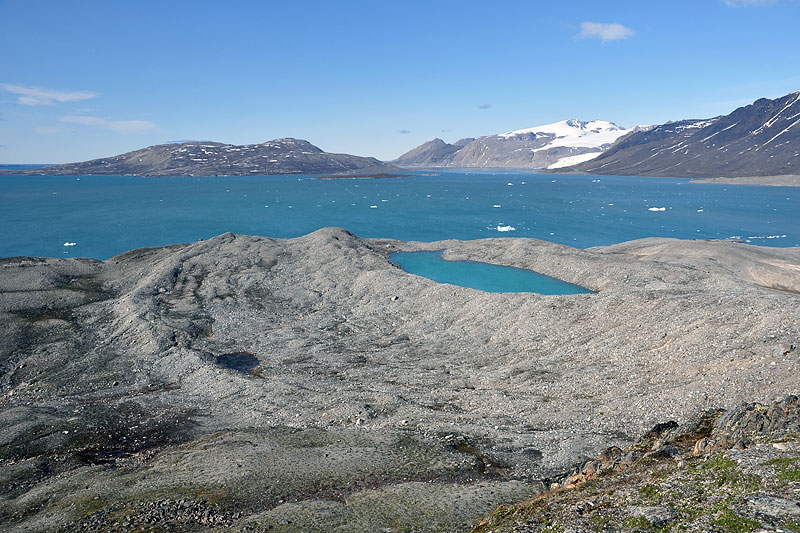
[
  {"x": 107, "y": 215},
  {"x": 482, "y": 276}
]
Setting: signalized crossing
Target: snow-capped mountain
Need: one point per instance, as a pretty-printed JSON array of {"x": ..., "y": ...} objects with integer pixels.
[
  {"x": 760, "y": 139},
  {"x": 563, "y": 143}
]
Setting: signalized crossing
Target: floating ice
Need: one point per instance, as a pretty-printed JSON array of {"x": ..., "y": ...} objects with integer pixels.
[
  {"x": 373, "y": 207},
  {"x": 656, "y": 208},
  {"x": 497, "y": 205},
  {"x": 70, "y": 243},
  {"x": 505, "y": 228}
]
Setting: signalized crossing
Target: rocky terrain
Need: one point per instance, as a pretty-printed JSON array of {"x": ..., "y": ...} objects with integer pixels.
[
  {"x": 732, "y": 471},
  {"x": 549, "y": 146},
  {"x": 280, "y": 156},
  {"x": 252, "y": 384},
  {"x": 761, "y": 139}
]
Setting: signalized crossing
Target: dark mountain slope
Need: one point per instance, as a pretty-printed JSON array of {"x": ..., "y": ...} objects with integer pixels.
[{"x": 761, "y": 139}]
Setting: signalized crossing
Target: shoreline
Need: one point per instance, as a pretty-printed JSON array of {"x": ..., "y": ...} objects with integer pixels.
[{"x": 783, "y": 180}]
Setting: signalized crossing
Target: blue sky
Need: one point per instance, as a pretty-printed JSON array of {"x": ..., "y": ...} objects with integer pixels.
[{"x": 87, "y": 79}]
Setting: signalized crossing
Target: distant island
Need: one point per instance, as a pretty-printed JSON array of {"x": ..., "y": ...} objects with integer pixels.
[{"x": 193, "y": 158}]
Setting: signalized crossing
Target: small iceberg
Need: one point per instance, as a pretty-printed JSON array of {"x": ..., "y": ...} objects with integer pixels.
[
  {"x": 70, "y": 243},
  {"x": 656, "y": 208},
  {"x": 505, "y": 228},
  {"x": 497, "y": 205}
]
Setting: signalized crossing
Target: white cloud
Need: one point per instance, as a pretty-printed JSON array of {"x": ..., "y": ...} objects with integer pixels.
[
  {"x": 39, "y": 96},
  {"x": 604, "y": 32},
  {"x": 749, "y": 3},
  {"x": 119, "y": 126}
]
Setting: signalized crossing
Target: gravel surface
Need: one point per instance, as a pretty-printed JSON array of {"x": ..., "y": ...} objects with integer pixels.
[{"x": 380, "y": 397}]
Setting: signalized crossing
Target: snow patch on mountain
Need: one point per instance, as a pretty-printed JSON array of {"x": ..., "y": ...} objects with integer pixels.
[
  {"x": 573, "y": 133},
  {"x": 574, "y": 160}
]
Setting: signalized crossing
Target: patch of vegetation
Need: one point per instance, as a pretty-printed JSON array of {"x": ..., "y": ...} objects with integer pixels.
[
  {"x": 651, "y": 492},
  {"x": 793, "y": 526},
  {"x": 637, "y": 522},
  {"x": 787, "y": 470},
  {"x": 723, "y": 472},
  {"x": 733, "y": 523},
  {"x": 600, "y": 521}
]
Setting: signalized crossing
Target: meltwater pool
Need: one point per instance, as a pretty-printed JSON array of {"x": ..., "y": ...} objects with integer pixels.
[{"x": 482, "y": 276}]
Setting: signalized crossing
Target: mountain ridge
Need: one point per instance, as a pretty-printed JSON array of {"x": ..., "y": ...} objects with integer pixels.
[
  {"x": 759, "y": 139},
  {"x": 208, "y": 158},
  {"x": 537, "y": 147}
]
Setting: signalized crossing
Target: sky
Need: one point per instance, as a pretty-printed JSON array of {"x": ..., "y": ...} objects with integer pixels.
[{"x": 88, "y": 79}]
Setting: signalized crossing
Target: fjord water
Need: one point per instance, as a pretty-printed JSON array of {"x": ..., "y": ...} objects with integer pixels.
[
  {"x": 107, "y": 215},
  {"x": 482, "y": 276}
]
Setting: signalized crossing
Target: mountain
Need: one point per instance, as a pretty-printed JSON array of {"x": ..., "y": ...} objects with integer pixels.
[
  {"x": 194, "y": 158},
  {"x": 432, "y": 153},
  {"x": 761, "y": 139},
  {"x": 549, "y": 146}
]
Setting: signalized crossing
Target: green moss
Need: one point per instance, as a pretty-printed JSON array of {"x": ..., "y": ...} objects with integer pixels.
[
  {"x": 723, "y": 472},
  {"x": 639, "y": 522},
  {"x": 600, "y": 520},
  {"x": 782, "y": 461},
  {"x": 793, "y": 526},
  {"x": 787, "y": 471},
  {"x": 87, "y": 506},
  {"x": 651, "y": 492},
  {"x": 733, "y": 523}
]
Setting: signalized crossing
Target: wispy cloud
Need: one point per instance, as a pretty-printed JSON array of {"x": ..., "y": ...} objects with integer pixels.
[
  {"x": 40, "y": 96},
  {"x": 405, "y": 132},
  {"x": 484, "y": 106},
  {"x": 119, "y": 126},
  {"x": 749, "y": 3},
  {"x": 49, "y": 130},
  {"x": 604, "y": 32}
]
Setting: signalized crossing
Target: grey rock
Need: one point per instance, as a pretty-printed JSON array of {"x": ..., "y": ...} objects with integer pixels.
[
  {"x": 657, "y": 516},
  {"x": 773, "y": 506}
]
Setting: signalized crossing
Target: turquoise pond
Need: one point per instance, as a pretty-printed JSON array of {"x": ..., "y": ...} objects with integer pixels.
[
  {"x": 101, "y": 216},
  {"x": 482, "y": 276}
]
